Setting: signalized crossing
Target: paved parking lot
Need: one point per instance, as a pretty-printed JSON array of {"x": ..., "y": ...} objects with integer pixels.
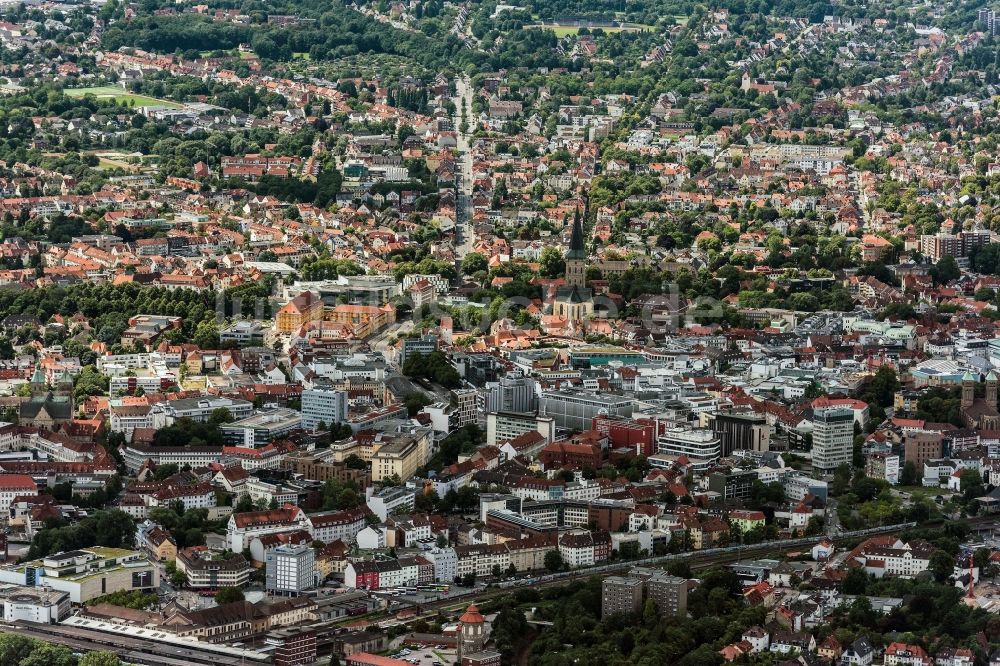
[{"x": 429, "y": 657}]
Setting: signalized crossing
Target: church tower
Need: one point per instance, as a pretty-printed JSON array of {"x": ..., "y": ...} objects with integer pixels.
[
  {"x": 968, "y": 390},
  {"x": 64, "y": 384},
  {"x": 471, "y": 633},
  {"x": 576, "y": 257},
  {"x": 38, "y": 384}
]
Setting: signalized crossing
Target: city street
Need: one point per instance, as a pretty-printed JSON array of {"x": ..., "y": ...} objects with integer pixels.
[{"x": 464, "y": 232}]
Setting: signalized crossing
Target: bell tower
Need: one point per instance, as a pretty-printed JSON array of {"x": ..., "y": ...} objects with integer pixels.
[{"x": 968, "y": 390}]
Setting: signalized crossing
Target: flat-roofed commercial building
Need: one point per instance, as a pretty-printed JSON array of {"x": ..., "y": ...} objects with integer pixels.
[{"x": 576, "y": 410}]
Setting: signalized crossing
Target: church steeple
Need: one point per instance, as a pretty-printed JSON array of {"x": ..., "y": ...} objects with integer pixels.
[
  {"x": 576, "y": 257},
  {"x": 968, "y": 389},
  {"x": 576, "y": 247},
  {"x": 38, "y": 379}
]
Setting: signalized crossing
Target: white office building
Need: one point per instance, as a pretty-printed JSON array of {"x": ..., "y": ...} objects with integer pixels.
[
  {"x": 701, "y": 446},
  {"x": 833, "y": 438},
  {"x": 32, "y": 604},
  {"x": 322, "y": 403},
  {"x": 290, "y": 569}
]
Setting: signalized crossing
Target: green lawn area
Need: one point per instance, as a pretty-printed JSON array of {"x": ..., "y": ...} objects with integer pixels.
[
  {"x": 565, "y": 30},
  {"x": 920, "y": 492},
  {"x": 121, "y": 96},
  {"x": 301, "y": 55},
  {"x": 243, "y": 55}
]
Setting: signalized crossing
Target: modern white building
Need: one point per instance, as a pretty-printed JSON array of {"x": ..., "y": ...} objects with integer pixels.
[
  {"x": 86, "y": 573},
  {"x": 30, "y": 604},
  {"x": 701, "y": 446},
  {"x": 322, "y": 403},
  {"x": 291, "y": 569},
  {"x": 383, "y": 501},
  {"x": 505, "y": 426},
  {"x": 445, "y": 562},
  {"x": 576, "y": 409},
  {"x": 135, "y": 455},
  {"x": 259, "y": 429},
  {"x": 200, "y": 409}
]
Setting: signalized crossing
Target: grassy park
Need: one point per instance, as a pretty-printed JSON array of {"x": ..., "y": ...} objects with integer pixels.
[{"x": 120, "y": 96}]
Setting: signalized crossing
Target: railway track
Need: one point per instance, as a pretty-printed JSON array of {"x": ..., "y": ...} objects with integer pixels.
[
  {"x": 156, "y": 653},
  {"x": 131, "y": 649}
]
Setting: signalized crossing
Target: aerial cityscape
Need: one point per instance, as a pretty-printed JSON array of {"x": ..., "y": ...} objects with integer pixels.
[{"x": 459, "y": 332}]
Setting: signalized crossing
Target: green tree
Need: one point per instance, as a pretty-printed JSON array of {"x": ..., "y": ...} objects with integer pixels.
[
  {"x": 15, "y": 647},
  {"x": 47, "y": 654},
  {"x": 880, "y": 390},
  {"x": 945, "y": 270},
  {"x": 206, "y": 335},
  {"x": 649, "y": 613},
  {"x": 165, "y": 471},
  {"x": 244, "y": 504},
  {"x": 474, "y": 263},
  {"x": 554, "y": 561},
  {"x": 941, "y": 566},
  {"x": 90, "y": 382},
  {"x": 414, "y": 402},
  {"x": 135, "y": 599},
  {"x": 509, "y": 631},
  {"x": 177, "y": 578},
  {"x": 220, "y": 415},
  {"x": 114, "y": 529},
  {"x": 355, "y": 461},
  {"x": 856, "y": 581},
  {"x": 228, "y": 595},
  {"x": 99, "y": 658},
  {"x": 552, "y": 264},
  {"x": 841, "y": 480}
]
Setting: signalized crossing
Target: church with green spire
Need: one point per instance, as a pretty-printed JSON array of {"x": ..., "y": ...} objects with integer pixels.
[
  {"x": 574, "y": 301},
  {"x": 47, "y": 407},
  {"x": 980, "y": 413}
]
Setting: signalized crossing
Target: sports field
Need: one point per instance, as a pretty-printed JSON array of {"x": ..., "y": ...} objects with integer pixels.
[{"x": 121, "y": 96}]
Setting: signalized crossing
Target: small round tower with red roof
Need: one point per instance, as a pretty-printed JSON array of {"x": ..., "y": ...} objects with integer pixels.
[{"x": 471, "y": 632}]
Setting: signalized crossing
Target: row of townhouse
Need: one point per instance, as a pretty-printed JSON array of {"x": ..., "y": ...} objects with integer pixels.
[
  {"x": 446, "y": 564},
  {"x": 384, "y": 574},
  {"x": 326, "y": 527}
]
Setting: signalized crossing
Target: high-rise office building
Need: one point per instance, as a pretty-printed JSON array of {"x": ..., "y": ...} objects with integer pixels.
[
  {"x": 290, "y": 569},
  {"x": 322, "y": 403},
  {"x": 510, "y": 394},
  {"x": 833, "y": 438}
]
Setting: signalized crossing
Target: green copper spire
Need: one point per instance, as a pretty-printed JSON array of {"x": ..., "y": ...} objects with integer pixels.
[{"x": 576, "y": 247}]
